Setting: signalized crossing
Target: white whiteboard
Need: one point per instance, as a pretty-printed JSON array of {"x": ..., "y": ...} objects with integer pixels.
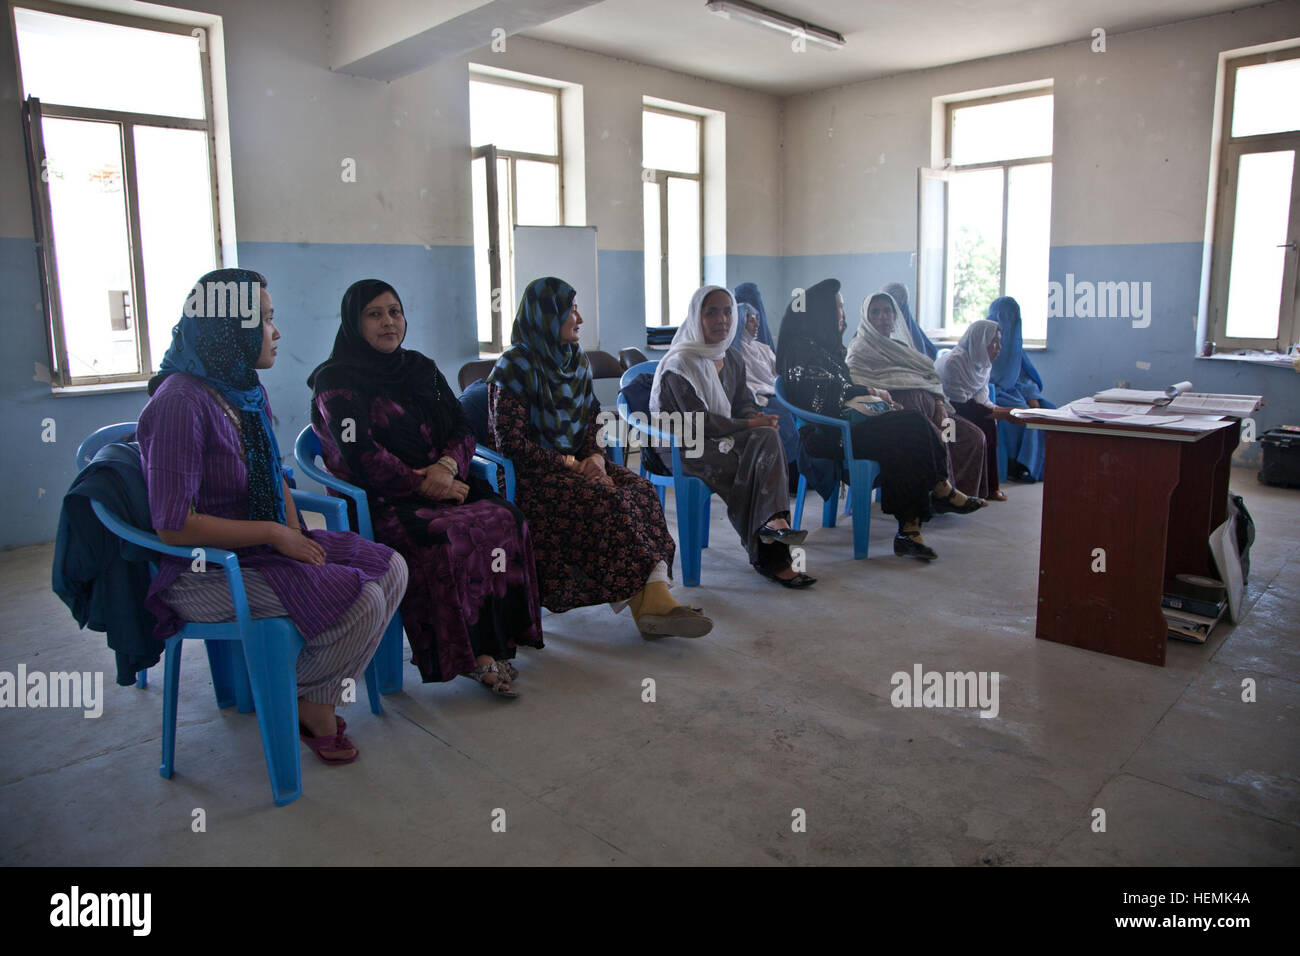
[{"x": 568, "y": 253}]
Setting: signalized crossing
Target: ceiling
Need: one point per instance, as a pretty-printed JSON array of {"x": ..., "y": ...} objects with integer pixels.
[{"x": 883, "y": 36}]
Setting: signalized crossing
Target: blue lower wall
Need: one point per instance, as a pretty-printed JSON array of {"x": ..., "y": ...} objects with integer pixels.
[{"x": 437, "y": 287}]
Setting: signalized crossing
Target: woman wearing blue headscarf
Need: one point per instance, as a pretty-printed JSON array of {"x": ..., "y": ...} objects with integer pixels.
[
  {"x": 598, "y": 530},
  {"x": 1017, "y": 384},
  {"x": 212, "y": 467},
  {"x": 920, "y": 341}
]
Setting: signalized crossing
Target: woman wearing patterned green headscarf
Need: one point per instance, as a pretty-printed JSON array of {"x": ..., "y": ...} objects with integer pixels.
[{"x": 598, "y": 530}]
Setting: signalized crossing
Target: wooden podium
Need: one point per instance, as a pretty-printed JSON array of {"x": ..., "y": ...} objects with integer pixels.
[{"x": 1148, "y": 497}]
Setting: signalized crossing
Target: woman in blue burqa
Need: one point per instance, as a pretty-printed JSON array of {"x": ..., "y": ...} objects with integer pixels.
[{"x": 1017, "y": 385}]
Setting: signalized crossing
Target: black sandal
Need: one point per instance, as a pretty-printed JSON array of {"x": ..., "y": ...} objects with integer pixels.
[
  {"x": 943, "y": 504},
  {"x": 798, "y": 582},
  {"x": 906, "y": 546}
]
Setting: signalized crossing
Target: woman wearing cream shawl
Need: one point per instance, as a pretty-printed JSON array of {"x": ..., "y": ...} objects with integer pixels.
[
  {"x": 881, "y": 356},
  {"x": 965, "y": 371},
  {"x": 741, "y": 459}
]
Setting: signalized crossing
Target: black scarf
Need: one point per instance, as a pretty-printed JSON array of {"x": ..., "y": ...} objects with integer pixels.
[{"x": 405, "y": 376}]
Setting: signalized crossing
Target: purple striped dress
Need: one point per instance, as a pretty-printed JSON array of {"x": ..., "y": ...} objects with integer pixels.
[{"x": 192, "y": 457}]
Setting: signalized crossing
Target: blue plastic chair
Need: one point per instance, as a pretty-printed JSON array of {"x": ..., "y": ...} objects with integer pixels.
[
  {"x": 387, "y": 663},
  {"x": 253, "y": 661},
  {"x": 863, "y": 473},
  {"x": 691, "y": 494}
]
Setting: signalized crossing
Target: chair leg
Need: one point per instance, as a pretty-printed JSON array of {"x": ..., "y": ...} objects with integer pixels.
[
  {"x": 171, "y": 690},
  {"x": 831, "y": 508},
  {"x": 389, "y": 657},
  {"x": 704, "y": 518},
  {"x": 142, "y": 679},
  {"x": 372, "y": 688},
  {"x": 244, "y": 702},
  {"x": 688, "y": 529},
  {"x": 272, "y": 656},
  {"x": 798, "y": 502},
  {"x": 863, "y": 476},
  {"x": 222, "y": 667}
]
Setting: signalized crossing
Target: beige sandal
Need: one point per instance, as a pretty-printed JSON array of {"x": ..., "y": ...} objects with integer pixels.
[{"x": 681, "y": 621}]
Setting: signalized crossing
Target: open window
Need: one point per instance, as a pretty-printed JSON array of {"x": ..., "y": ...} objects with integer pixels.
[
  {"x": 517, "y": 178},
  {"x": 984, "y": 220},
  {"x": 1253, "y": 286},
  {"x": 121, "y": 157},
  {"x": 672, "y": 159}
]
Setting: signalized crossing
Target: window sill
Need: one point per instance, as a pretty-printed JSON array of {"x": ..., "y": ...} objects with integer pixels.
[
  {"x": 1265, "y": 359},
  {"x": 1027, "y": 346},
  {"x": 105, "y": 388}
]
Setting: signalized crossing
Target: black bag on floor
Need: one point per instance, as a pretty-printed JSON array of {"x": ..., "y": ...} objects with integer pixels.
[
  {"x": 1280, "y": 456},
  {"x": 1245, "y": 531}
]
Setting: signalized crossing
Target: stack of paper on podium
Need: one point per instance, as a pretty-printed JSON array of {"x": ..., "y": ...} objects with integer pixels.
[{"x": 1179, "y": 399}]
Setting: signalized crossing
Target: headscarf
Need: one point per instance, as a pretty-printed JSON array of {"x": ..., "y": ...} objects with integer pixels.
[
  {"x": 920, "y": 341},
  {"x": 747, "y": 292},
  {"x": 692, "y": 358},
  {"x": 409, "y": 378},
  {"x": 553, "y": 379},
  {"x": 965, "y": 368},
  {"x": 760, "y": 360},
  {"x": 1012, "y": 365},
  {"x": 814, "y": 331},
  {"x": 883, "y": 361},
  {"x": 221, "y": 352}
]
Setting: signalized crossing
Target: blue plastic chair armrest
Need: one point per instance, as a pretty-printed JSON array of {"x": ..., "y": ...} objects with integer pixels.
[
  {"x": 482, "y": 467},
  {"x": 150, "y": 541},
  {"x": 335, "y": 510},
  {"x": 506, "y": 465}
]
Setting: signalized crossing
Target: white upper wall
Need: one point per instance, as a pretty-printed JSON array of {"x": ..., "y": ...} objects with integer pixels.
[{"x": 1132, "y": 138}]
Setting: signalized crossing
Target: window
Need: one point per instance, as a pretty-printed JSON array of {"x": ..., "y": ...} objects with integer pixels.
[
  {"x": 1253, "y": 278},
  {"x": 673, "y": 192},
  {"x": 516, "y": 175},
  {"x": 120, "y": 154},
  {"x": 986, "y": 218}
]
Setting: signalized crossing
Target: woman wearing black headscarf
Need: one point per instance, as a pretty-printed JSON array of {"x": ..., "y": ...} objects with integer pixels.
[
  {"x": 388, "y": 422},
  {"x": 913, "y": 464}
]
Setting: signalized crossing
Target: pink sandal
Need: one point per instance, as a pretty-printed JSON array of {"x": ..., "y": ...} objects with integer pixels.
[{"x": 335, "y": 741}]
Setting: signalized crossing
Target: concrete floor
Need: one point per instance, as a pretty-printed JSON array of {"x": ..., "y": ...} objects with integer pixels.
[{"x": 786, "y": 705}]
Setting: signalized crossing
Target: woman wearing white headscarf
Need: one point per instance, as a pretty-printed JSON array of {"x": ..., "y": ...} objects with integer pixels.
[
  {"x": 741, "y": 459},
  {"x": 760, "y": 360},
  {"x": 881, "y": 355},
  {"x": 965, "y": 373}
]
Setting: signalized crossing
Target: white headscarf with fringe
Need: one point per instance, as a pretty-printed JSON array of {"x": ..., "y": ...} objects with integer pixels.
[{"x": 692, "y": 358}]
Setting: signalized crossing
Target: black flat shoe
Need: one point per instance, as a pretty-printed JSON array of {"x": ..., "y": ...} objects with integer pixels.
[
  {"x": 783, "y": 535},
  {"x": 943, "y": 505},
  {"x": 798, "y": 582},
  {"x": 906, "y": 546}
]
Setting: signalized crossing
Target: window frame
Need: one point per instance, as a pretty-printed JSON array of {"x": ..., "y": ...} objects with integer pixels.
[
  {"x": 497, "y": 241},
  {"x": 660, "y": 178},
  {"x": 950, "y": 110},
  {"x": 1231, "y": 149},
  {"x": 34, "y": 112}
]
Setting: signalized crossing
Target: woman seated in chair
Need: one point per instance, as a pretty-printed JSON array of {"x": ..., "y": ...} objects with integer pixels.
[
  {"x": 965, "y": 373},
  {"x": 389, "y": 423},
  {"x": 913, "y": 462},
  {"x": 1018, "y": 385},
  {"x": 881, "y": 355},
  {"x": 741, "y": 458},
  {"x": 599, "y": 529},
  {"x": 212, "y": 466}
]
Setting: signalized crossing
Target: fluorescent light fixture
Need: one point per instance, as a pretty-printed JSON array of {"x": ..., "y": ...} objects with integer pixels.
[{"x": 753, "y": 13}]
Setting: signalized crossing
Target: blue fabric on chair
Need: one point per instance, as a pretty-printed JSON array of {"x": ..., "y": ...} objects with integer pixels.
[{"x": 102, "y": 578}]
